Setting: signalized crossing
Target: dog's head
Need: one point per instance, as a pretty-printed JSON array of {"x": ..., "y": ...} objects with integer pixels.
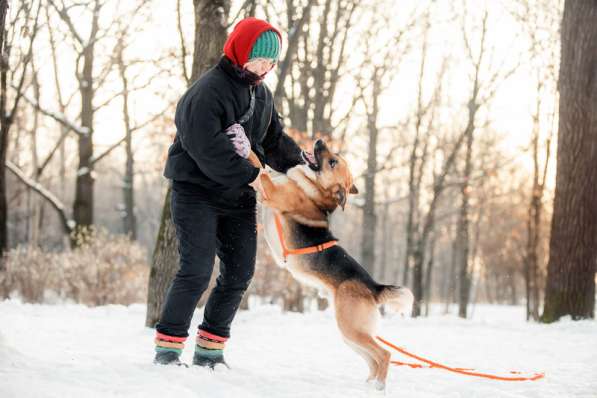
[{"x": 331, "y": 173}]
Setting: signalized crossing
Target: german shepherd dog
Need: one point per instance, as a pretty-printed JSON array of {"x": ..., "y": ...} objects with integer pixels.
[{"x": 304, "y": 198}]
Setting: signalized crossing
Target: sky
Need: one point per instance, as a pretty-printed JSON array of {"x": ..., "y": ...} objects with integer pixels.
[{"x": 509, "y": 113}]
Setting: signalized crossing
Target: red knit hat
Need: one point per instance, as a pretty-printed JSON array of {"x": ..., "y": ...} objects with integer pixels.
[{"x": 240, "y": 42}]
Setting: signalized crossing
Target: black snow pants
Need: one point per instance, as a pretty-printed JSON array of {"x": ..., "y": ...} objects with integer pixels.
[{"x": 206, "y": 225}]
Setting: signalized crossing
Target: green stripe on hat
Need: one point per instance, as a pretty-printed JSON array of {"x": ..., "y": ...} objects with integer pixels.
[{"x": 267, "y": 45}]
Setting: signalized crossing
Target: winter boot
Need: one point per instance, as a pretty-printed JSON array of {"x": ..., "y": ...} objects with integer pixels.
[
  {"x": 168, "y": 349},
  {"x": 209, "y": 350}
]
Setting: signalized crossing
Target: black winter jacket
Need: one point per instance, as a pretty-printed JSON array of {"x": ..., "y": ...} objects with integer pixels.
[{"x": 203, "y": 154}]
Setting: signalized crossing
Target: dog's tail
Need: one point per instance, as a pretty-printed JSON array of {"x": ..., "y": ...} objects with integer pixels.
[{"x": 399, "y": 298}]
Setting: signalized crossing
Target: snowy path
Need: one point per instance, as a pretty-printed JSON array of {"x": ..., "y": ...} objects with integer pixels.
[{"x": 75, "y": 351}]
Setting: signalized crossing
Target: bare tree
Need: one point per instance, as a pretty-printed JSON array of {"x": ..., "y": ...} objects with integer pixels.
[
  {"x": 462, "y": 232},
  {"x": 124, "y": 64},
  {"x": 3, "y": 131},
  {"x": 10, "y": 76},
  {"x": 314, "y": 63},
  {"x": 62, "y": 104},
  {"x": 128, "y": 188},
  {"x": 83, "y": 205},
  {"x": 417, "y": 160},
  {"x": 81, "y": 130},
  {"x": 482, "y": 92},
  {"x": 572, "y": 262},
  {"x": 67, "y": 223},
  {"x": 540, "y": 23},
  {"x": 428, "y": 222},
  {"x": 379, "y": 76},
  {"x": 34, "y": 204},
  {"x": 90, "y": 77},
  {"x": 296, "y": 28},
  {"x": 535, "y": 212}
]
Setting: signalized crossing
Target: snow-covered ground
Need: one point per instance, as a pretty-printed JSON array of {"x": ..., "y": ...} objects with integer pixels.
[{"x": 75, "y": 351}]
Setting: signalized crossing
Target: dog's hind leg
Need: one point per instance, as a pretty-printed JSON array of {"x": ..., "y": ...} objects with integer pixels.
[
  {"x": 367, "y": 357},
  {"x": 356, "y": 314},
  {"x": 382, "y": 356}
]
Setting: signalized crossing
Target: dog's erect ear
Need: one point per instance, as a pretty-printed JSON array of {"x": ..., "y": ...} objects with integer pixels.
[
  {"x": 341, "y": 197},
  {"x": 353, "y": 190}
]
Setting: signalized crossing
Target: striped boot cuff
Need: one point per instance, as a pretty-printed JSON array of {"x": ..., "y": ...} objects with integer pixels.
[
  {"x": 162, "y": 349},
  {"x": 210, "y": 341},
  {"x": 207, "y": 352},
  {"x": 210, "y": 336},
  {"x": 163, "y": 342}
]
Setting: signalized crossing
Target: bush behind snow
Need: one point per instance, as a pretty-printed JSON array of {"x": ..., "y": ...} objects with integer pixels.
[{"x": 105, "y": 269}]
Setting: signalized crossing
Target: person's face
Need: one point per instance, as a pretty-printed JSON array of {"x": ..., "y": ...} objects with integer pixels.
[{"x": 260, "y": 66}]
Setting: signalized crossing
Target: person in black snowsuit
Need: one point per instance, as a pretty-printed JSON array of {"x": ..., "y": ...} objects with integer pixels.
[{"x": 213, "y": 201}]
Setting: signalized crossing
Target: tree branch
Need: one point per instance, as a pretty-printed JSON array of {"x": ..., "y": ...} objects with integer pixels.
[
  {"x": 60, "y": 118},
  {"x": 68, "y": 224},
  {"x": 96, "y": 159},
  {"x": 183, "y": 47},
  {"x": 66, "y": 18}
]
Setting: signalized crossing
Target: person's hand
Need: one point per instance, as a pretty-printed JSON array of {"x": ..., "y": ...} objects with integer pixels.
[
  {"x": 256, "y": 184},
  {"x": 239, "y": 139}
]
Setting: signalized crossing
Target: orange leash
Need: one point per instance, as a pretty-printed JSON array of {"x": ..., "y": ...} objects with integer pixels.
[{"x": 467, "y": 372}]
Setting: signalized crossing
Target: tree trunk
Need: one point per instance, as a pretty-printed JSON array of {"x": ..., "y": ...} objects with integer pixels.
[
  {"x": 428, "y": 226},
  {"x": 429, "y": 273},
  {"x": 382, "y": 270},
  {"x": 294, "y": 300},
  {"x": 413, "y": 191},
  {"x": 34, "y": 208},
  {"x": 532, "y": 274},
  {"x": 163, "y": 266},
  {"x": 462, "y": 234},
  {"x": 211, "y": 19},
  {"x": 210, "y": 34},
  {"x": 531, "y": 263},
  {"x": 450, "y": 280},
  {"x": 83, "y": 204},
  {"x": 4, "y": 126},
  {"x": 369, "y": 216},
  {"x": 320, "y": 123},
  {"x": 61, "y": 107},
  {"x": 128, "y": 185},
  {"x": 571, "y": 269}
]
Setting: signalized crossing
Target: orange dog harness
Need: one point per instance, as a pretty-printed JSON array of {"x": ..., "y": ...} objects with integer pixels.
[
  {"x": 305, "y": 250},
  {"x": 285, "y": 250}
]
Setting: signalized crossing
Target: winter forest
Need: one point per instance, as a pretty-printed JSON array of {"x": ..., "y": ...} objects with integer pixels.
[{"x": 469, "y": 128}]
